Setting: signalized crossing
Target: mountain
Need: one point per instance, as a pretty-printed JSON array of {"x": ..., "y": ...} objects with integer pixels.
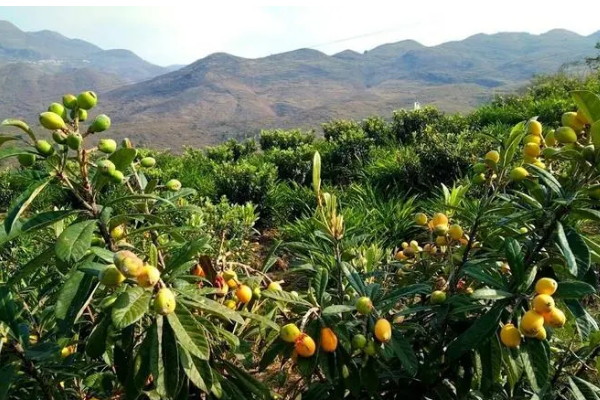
[
  {"x": 51, "y": 52},
  {"x": 221, "y": 95}
]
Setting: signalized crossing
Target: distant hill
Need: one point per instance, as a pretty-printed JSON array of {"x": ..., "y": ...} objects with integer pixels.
[
  {"x": 222, "y": 96},
  {"x": 37, "y": 66}
]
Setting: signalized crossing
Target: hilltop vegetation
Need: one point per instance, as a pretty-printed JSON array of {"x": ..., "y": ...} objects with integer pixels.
[{"x": 426, "y": 255}]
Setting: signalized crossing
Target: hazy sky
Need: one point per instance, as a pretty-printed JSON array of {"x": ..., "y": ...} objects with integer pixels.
[{"x": 183, "y": 34}]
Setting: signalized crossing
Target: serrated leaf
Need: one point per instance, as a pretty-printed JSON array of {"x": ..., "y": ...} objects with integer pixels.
[
  {"x": 72, "y": 299},
  {"x": 588, "y": 104},
  {"x": 286, "y": 297},
  {"x": 405, "y": 353},
  {"x": 196, "y": 299},
  {"x": 573, "y": 290},
  {"x": 167, "y": 378},
  {"x": 515, "y": 260},
  {"x": 276, "y": 348},
  {"x": 481, "y": 329},
  {"x": 319, "y": 283},
  {"x": 33, "y": 265},
  {"x": 191, "y": 371},
  {"x": 95, "y": 344},
  {"x": 12, "y": 152},
  {"x": 75, "y": 241},
  {"x": 586, "y": 324},
  {"x": 260, "y": 319},
  {"x": 548, "y": 179},
  {"x": 22, "y": 202},
  {"x": 487, "y": 274},
  {"x": 7, "y": 138},
  {"x": 511, "y": 144},
  {"x": 583, "y": 390},
  {"x": 490, "y": 294},
  {"x": 390, "y": 299},
  {"x": 130, "y": 306},
  {"x": 189, "y": 333},
  {"x": 7, "y": 373},
  {"x": 586, "y": 213},
  {"x": 337, "y": 309},
  {"x": 536, "y": 363},
  {"x": 44, "y": 219},
  {"x": 21, "y": 125},
  {"x": 565, "y": 249}
]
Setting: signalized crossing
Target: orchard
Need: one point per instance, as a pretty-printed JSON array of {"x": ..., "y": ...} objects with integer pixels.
[{"x": 130, "y": 287}]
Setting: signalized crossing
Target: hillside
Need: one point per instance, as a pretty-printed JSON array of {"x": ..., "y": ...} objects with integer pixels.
[{"x": 223, "y": 95}]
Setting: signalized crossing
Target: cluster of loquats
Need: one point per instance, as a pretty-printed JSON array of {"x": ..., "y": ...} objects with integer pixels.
[
  {"x": 446, "y": 239},
  {"x": 305, "y": 346},
  {"x": 64, "y": 120},
  {"x": 233, "y": 291},
  {"x": 128, "y": 268},
  {"x": 543, "y": 312}
]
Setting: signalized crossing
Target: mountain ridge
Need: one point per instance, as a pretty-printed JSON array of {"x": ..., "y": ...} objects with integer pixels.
[{"x": 222, "y": 95}]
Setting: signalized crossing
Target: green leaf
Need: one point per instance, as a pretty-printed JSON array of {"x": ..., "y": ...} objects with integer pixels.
[
  {"x": 515, "y": 260},
  {"x": 189, "y": 333},
  {"x": 565, "y": 249},
  {"x": 337, "y": 309},
  {"x": 144, "y": 360},
  {"x": 167, "y": 379},
  {"x": 210, "y": 306},
  {"x": 33, "y": 265},
  {"x": 353, "y": 278},
  {"x": 548, "y": 179},
  {"x": 22, "y": 202},
  {"x": 580, "y": 251},
  {"x": 485, "y": 273},
  {"x": 75, "y": 241},
  {"x": 139, "y": 197},
  {"x": 260, "y": 319},
  {"x": 588, "y": 104},
  {"x": 286, "y": 297},
  {"x": 47, "y": 218},
  {"x": 123, "y": 157},
  {"x": 130, "y": 306},
  {"x": 586, "y": 324},
  {"x": 583, "y": 390},
  {"x": 21, "y": 125},
  {"x": 7, "y": 373},
  {"x": 490, "y": 294},
  {"x": 586, "y": 213},
  {"x": 573, "y": 290},
  {"x": 491, "y": 364},
  {"x": 12, "y": 152},
  {"x": 390, "y": 299},
  {"x": 536, "y": 363},
  {"x": 191, "y": 371},
  {"x": 512, "y": 366},
  {"x": 7, "y": 138},
  {"x": 276, "y": 348},
  {"x": 95, "y": 344},
  {"x": 481, "y": 329},
  {"x": 405, "y": 353},
  {"x": 319, "y": 283},
  {"x": 187, "y": 253},
  {"x": 246, "y": 381},
  {"x": 511, "y": 144},
  {"x": 73, "y": 298}
]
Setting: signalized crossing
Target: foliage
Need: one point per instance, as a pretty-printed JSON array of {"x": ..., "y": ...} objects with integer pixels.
[{"x": 406, "y": 250}]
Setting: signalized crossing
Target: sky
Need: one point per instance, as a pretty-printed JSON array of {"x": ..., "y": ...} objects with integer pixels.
[{"x": 182, "y": 34}]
